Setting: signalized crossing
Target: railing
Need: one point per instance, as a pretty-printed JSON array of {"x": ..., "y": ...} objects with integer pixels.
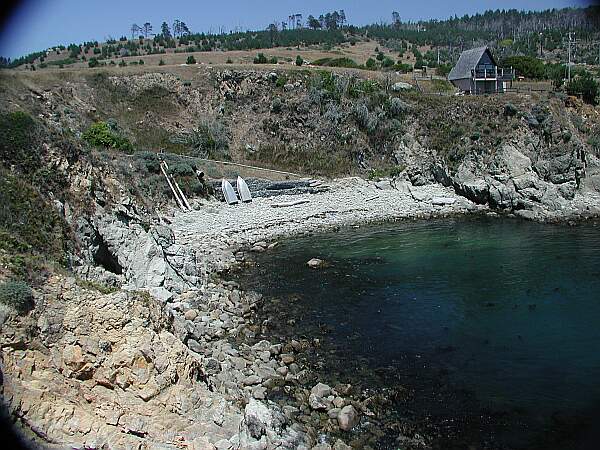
[{"x": 493, "y": 73}]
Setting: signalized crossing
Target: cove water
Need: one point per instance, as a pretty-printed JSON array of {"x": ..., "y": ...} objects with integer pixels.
[{"x": 505, "y": 310}]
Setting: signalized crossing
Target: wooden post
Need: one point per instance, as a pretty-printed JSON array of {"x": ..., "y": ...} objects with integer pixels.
[{"x": 177, "y": 199}]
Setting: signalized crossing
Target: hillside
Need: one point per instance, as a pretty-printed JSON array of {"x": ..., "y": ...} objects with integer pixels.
[{"x": 89, "y": 229}]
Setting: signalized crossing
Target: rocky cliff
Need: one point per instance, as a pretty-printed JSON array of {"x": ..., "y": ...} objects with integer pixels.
[{"x": 135, "y": 341}]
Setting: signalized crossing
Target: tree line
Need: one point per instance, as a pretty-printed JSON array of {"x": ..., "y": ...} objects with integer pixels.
[{"x": 508, "y": 32}]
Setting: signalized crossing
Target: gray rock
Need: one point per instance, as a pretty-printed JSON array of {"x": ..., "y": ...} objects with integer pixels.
[
  {"x": 252, "y": 380},
  {"x": 321, "y": 390},
  {"x": 442, "y": 201},
  {"x": 258, "y": 418},
  {"x": 195, "y": 346},
  {"x": 316, "y": 263},
  {"x": 401, "y": 86},
  {"x": 348, "y": 418}
]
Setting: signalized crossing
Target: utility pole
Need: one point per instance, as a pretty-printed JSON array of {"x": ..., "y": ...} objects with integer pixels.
[{"x": 569, "y": 64}]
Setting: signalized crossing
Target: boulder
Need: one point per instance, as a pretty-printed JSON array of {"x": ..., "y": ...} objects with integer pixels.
[
  {"x": 321, "y": 390},
  {"x": 316, "y": 263},
  {"x": 261, "y": 420},
  {"x": 401, "y": 86},
  {"x": 348, "y": 418}
]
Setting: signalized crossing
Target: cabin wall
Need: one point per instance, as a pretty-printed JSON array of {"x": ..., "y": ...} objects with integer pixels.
[{"x": 464, "y": 84}]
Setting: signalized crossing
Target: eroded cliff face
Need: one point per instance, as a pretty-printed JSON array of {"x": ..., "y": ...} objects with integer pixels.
[
  {"x": 152, "y": 364},
  {"x": 98, "y": 370},
  {"x": 323, "y": 124}
]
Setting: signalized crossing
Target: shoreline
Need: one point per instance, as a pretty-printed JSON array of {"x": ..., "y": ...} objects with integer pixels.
[{"x": 208, "y": 324}]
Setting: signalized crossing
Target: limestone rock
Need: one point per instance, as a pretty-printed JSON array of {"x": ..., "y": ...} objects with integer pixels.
[{"x": 348, "y": 418}]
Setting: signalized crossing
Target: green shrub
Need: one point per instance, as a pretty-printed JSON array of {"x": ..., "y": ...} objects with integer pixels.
[
  {"x": 510, "y": 110},
  {"x": 371, "y": 64},
  {"x": 93, "y": 62},
  {"x": 141, "y": 62},
  {"x": 100, "y": 134},
  {"x": 161, "y": 62},
  {"x": 387, "y": 62},
  {"x": 273, "y": 60},
  {"x": 585, "y": 86},
  {"x": 526, "y": 66},
  {"x": 229, "y": 61},
  {"x": 122, "y": 63},
  {"x": 299, "y": 60},
  {"x": 209, "y": 140},
  {"x": 16, "y": 294},
  {"x": 397, "y": 107},
  {"x": 336, "y": 62},
  {"x": 260, "y": 59},
  {"x": 281, "y": 81},
  {"x": 276, "y": 105},
  {"x": 190, "y": 60},
  {"x": 17, "y": 140},
  {"x": 444, "y": 69}
]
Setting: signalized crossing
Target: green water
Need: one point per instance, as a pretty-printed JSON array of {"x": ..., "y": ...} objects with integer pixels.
[{"x": 504, "y": 311}]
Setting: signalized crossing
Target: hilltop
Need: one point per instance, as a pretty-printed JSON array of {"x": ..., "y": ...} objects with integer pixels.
[{"x": 542, "y": 34}]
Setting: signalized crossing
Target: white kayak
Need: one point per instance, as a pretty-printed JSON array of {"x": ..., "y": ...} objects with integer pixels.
[
  {"x": 243, "y": 190},
  {"x": 228, "y": 192}
]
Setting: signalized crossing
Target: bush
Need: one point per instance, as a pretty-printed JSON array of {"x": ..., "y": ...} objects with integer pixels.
[
  {"x": 122, "y": 63},
  {"x": 273, "y": 60},
  {"x": 190, "y": 60},
  {"x": 585, "y": 86},
  {"x": 444, "y": 69},
  {"x": 387, "y": 62},
  {"x": 276, "y": 105},
  {"x": 403, "y": 68},
  {"x": 209, "y": 140},
  {"x": 161, "y": 62},
  {"x": 510, "y": 110},
  {"x": 141, "y": 62},
  {"x": 526, "y": 66},
  {"x": 260, "y": 59},
  {"x": 101, "y": 135},
  {"x": 93, "y": 62},
  {"x": 371, "y": 64},
  {"x": 17, "y": 131},
  {"x": 336, "y": 62},
  {"x": 281, "y": 81},
  {"x": 16, "y": 294},
  {"x": 397, "y": 107},
  {"x": 299, "y": 60}
]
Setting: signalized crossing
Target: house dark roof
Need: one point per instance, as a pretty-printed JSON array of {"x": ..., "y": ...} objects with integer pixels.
[{"x": 467, "y": 62}]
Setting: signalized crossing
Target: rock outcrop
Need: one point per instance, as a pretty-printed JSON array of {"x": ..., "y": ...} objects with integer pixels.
[{"x": 92, "y": 370}]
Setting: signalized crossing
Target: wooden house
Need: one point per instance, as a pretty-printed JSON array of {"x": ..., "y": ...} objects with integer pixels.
[{"x": 477, "y": 72}]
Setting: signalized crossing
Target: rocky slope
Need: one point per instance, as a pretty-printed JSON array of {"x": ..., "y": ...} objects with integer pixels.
[{"x": 136, "y": 341}]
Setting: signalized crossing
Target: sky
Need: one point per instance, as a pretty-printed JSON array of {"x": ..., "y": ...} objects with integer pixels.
[{"x": 38, "y": 24}]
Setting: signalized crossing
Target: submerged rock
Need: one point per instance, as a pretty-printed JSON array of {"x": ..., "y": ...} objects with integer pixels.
[{"x": 316, "y": 263}]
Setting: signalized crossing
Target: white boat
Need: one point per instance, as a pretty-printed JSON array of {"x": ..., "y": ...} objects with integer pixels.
[
  {"x": 228, "y": 192},
  {"x": 243, "y": 190}
]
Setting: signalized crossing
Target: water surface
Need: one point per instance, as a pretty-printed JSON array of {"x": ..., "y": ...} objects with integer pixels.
[{"x": 494, "y": 316}]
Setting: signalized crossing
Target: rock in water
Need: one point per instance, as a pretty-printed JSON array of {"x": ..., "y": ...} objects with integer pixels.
[
  {"x": 316, "y": 263},
  {"x": 348, "y": 418}
]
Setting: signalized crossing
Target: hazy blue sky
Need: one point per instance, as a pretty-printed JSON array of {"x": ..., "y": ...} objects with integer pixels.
[{"x": 39, "y": 24}]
